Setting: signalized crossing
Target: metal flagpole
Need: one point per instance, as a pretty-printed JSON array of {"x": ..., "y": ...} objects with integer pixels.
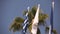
[
  {"x": 51, "y": 18},
  {"x": 25, "y": 23}
]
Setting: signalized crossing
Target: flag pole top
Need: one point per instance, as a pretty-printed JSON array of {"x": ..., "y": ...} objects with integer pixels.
[
  {"x": 28, "y": 8},
  {"x": 53, "y": 4},
  {"x": 28, "y": 11},
  {"x": 38, "y": 5}
]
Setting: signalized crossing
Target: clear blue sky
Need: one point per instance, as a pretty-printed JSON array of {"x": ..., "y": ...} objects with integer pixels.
[{"x": 9, "y": 9}]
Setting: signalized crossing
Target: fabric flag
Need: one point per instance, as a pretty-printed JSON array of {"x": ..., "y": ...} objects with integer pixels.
[
  {"x": 25, "y": 23},
  {"x": 35, "y": 21},
  {"x": 51, "y": 17}
]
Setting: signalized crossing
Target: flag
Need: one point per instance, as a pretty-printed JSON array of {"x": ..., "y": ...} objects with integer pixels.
[
  {"x": 51, "y": 16},
  {"x": 35, "y": 21},
  {"x": 25, "y": 25}
]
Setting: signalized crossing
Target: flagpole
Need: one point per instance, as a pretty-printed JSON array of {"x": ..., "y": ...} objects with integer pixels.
[
  {"x": 26, "y": 22},
  {"x": 51, "y": 18}
]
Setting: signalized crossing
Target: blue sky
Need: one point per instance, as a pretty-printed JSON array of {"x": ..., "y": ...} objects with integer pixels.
[{"x": 9, "y": 9}]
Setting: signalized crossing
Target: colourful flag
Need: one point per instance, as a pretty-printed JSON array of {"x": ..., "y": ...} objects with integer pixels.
[{"x": 25, "y": 23}]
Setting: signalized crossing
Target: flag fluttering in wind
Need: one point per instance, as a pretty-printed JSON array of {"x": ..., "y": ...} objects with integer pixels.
[
  {"x": 25, "y": 23},
  {"x": 51, "y": 18},
  {"x": 35, "y": 21}
]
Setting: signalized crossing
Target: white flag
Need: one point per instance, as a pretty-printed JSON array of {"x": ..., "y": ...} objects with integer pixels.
[{"x": 35, "y": 21}]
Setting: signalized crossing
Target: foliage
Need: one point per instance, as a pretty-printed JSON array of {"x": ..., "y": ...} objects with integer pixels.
[
  {"x": 18, "y": 21},
  {"x": 47, "y": 30}
]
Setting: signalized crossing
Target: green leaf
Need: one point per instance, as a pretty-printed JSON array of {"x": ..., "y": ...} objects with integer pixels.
[
  {"x": 17, "y": 24},
  {"x": 33, "y": 10},
  {"x": 24, "y": 13},
  {"x": 30, "y": 27},
  {"x": 47, "y": 29},
  {"x": 54, "y": 31},
  {"x": 19, "y": 20},
  {"x": 42, "y": 18}
]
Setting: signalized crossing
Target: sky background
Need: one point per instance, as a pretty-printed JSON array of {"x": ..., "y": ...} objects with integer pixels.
[{"x": 9, "y": 9}]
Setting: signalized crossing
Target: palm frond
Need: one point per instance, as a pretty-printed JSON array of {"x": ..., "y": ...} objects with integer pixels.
[
  {"x": 17, "y": 24},
  {"x": 19, "y": 20},
  {"x": 42, "y": 18},
  {"x": 54, "y": 31},
  {"x": 30, "y": 27},
  {"x": 25, "y": 11},
  {"x": 47, "y": 29},
  {"x": 33, "y": 10}
]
